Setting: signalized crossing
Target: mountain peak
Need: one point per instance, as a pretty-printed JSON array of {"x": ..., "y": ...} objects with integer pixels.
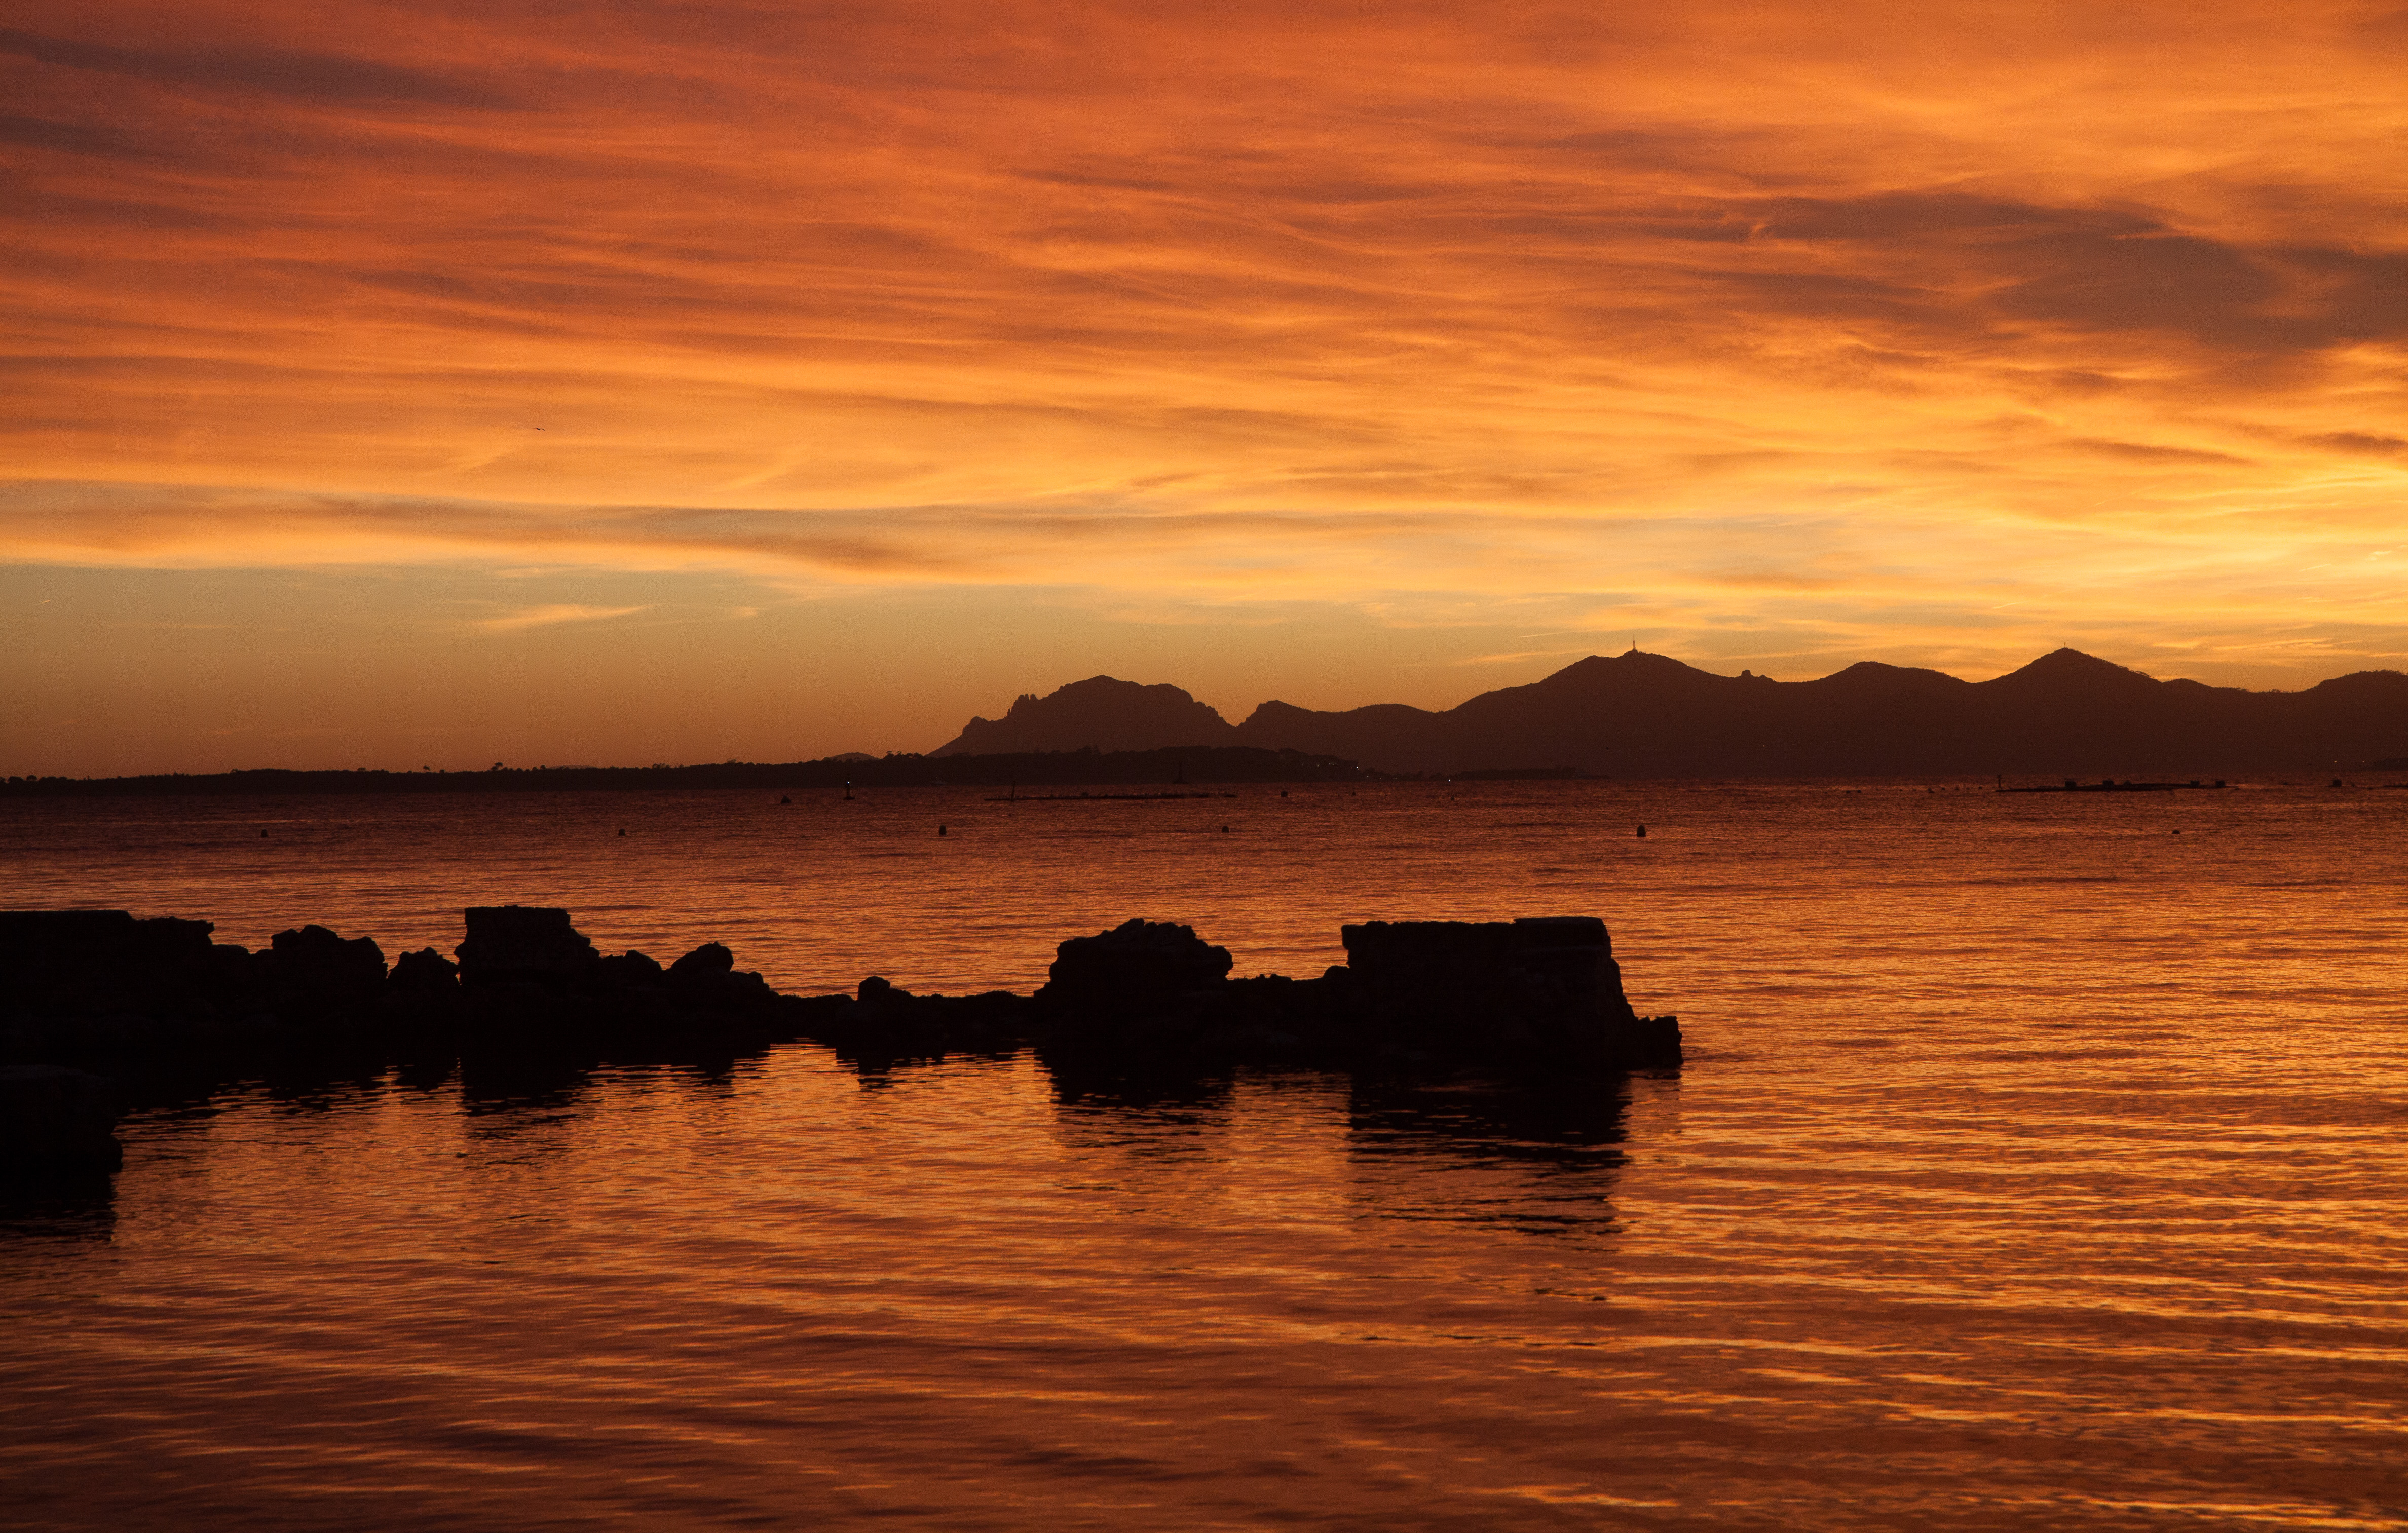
[
  {"x": 1625, "y": 664},
  {"x": 1101, "y": 711},
  {"x": 1636, "y": 714},
  {"x": 2066, "y": 665}
]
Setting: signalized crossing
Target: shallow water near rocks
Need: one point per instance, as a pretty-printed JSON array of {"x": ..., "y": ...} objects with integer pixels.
[{"x": 2035, "y": 1166}]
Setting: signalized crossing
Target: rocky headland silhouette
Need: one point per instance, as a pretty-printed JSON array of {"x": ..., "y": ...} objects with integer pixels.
[
  {"x": 91, "y": 994},
  {"x": 1633, "y": 715},
  {"x": 1640, "y": 715},
  {"x": 1100, "y": 713}
]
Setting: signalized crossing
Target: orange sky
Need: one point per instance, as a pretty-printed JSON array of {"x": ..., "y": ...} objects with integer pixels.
[{"x": 890, "y": 360}]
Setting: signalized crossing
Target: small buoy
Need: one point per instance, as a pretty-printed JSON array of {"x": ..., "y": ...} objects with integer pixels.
[
  {"x": 1642, "y": 832},
  {"x": 622, "y": 832},
  {"x": 784, "y": 799},
  {"x": 941, "y": 830},
  {"x": 263, "y": 835},
  {"x": 1284, "y": 791},
  {"x": 1224, "y": 830}
]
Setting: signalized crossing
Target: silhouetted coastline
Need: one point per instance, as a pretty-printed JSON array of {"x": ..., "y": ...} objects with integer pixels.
[
  {"x": 1036, "y": 768},
  {"x": 1640, "y": 715},
  {"x": 1626, "y": 716},
  {"x": 1150, "y": 1001}
]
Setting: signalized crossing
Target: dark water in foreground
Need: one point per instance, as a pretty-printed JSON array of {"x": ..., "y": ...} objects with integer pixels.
[{"x": 2035, "y": 1167}]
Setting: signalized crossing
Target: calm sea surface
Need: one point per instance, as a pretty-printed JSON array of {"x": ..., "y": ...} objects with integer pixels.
[{"x": 2036, "y": 1166}]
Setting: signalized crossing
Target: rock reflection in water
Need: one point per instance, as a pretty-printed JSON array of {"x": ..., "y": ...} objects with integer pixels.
[
  {"x": 512, "y": 1084},
  {"x": 1540, "y": 1158},
  {"x": 77, "y": 1205},
  {"x": 2036, "y": 1169}
]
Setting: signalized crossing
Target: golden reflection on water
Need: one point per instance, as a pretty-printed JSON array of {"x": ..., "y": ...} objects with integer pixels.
[{"x": 2029, "y": 1172}]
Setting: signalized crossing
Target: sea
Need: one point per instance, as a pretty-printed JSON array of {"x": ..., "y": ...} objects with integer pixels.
[{"x": 2040, "y": 1161}]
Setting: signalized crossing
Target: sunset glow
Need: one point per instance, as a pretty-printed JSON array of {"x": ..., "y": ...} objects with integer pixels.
[{"x": 1346, "y": 353}]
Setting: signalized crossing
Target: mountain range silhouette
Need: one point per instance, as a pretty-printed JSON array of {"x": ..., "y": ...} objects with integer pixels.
[{"x": 1648, "y": 715}]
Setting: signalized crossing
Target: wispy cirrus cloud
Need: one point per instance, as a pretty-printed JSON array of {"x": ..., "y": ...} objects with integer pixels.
[
  {"x": 551, "y": 615},
  {"x": 1918, "y": 330}
]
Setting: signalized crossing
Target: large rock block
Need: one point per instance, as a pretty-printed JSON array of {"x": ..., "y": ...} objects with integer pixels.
[
  {"x": 311, "y": 969},
  {"x": 529, "y": 980},
  {"x": 1148, "y": 997},
  {"x": 1138, "y": 964},
  {"x": 57, "y": 1120},
  {"x": 633, "y": 971},
  {"x": 93, "y": 962},
  {"x": 882, "y": 1022},
  {"x": 709, "y": 976},
  {"x": 423, "y": 992},
  {"x": 706, "y": 964},
  {"x": 1538, "y": 991},
  {"x": 524, "y": 944},
  {"x": 74, "y": 983},
  {"x": 426, "y": 972}
]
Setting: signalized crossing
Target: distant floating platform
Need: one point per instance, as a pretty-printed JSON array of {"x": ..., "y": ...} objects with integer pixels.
[
  {"x": 2110, "y": 785},
  {"x": 1099, "y": 797}
]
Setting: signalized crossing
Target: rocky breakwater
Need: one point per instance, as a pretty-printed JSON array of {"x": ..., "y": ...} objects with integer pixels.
[
  {"x": 1144, "y": 999},
  {"x": 1533, "y": 995},
  {"x": 74, "y": 983},
  {"x": 100, "y": 984},
  {"x": 528, "y": 978},
  {"x": 158, "y": 999},
  {"x": 881, "y": 1023}
]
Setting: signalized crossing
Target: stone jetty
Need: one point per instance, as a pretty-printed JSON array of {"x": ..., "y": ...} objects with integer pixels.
[{"x": 1145, "y": 999}]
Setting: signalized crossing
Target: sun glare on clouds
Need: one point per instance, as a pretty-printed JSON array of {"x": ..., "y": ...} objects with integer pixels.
[{"x": 1859, "y": 330}]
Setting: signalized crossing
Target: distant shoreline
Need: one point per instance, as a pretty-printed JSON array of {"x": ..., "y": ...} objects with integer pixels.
[
  {"x": 1170, "y": 768},
  {"x": 1183, "y": 773}
]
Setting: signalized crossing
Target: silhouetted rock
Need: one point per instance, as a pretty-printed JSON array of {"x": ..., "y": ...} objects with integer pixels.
[
  {"x": 882, "y": 1022},
  {"x": 704, "y": 964},
  {"x": 1543, "y": 991},
  {"x": 524, "y": 944},
  {"x": 424, "y": 972},
  {"x": 1135, "y": 963},
  {"x": 1146, "y": 999},
  {"x": 1152, "y": 1000},
  {"x": 708, "y": 976},
  {"x": 633, "y": 971},
  {"x": 53, "y": 1119},
  {"x": 78, "y": 983},
  {"x": 94, "y": 963},
  {"x": 313, "y": 971},
  {"x": 1101, "y": 714},
  {"x": 423, "y": 998},
  {"x": 532, "y": 982}
]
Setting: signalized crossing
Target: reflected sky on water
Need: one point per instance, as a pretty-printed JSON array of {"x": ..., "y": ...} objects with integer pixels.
[{"x": 2035, "y": 1168}]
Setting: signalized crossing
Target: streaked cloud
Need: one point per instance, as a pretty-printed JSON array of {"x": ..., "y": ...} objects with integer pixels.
[
  {"x": 1856, "y": 329},
  {"x": 555, "y": 612}
]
